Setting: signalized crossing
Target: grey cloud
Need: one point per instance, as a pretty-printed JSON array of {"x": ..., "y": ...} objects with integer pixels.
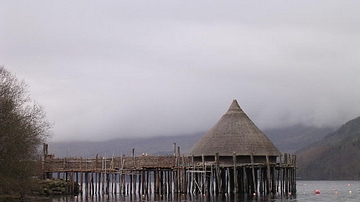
[{"x": 109, "y": 69}]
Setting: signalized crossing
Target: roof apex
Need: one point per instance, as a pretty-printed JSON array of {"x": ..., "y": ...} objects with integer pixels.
[{"x": 234, "y": 107}]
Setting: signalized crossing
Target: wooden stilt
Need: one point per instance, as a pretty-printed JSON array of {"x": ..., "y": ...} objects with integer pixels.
[
  {"x": 253, "y": 185},
  {"x": 236, "y": 185}
]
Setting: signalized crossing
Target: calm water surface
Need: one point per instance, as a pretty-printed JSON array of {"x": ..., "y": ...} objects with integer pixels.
[{"x": 329, "y": 191}]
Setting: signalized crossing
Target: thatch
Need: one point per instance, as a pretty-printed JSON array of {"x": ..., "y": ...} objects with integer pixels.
[{"x": 234, "y": 132}]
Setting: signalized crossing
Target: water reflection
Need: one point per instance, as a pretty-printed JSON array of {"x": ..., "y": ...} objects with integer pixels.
[
  {"x": 345, "y": 191},
  {"x": 175, "y": 197}
]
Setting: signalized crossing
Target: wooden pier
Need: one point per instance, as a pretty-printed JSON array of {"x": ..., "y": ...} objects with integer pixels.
[
  {"x": 234, "y": 156},
  {"x": 172, "y": 174}
]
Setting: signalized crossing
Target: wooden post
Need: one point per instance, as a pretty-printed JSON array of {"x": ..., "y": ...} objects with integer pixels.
[
  {"x": 223, "y": 179},
  {"x": 179, "y": 174},
  {"x": 157, "y": 181},
  {"x": 207, "y": 180},
  {"x": 268, "y": 174},
  {"x": 98, "y": 178},
  {"x": 81, "y": 180},
  {"x": 279, "y": 175},
  {"x": 96, "y": 162},
  {"x": 149, "y": 179},
  {"x": 203, "y": 174},
  {"x": 285, "y": 188},
  {"x": 212, "y": 181},
  {"x": 107, "y": 183},
  {"x": 262, "y": 179},
  {"x": 273, "y": 180},
  {"x": 184, "y": 179},
  {"x": 240, "y": 172},
  {"x": 230, "y": 181},
  {"x": 253, "y": 186},
  {"x": 243, "y": 180},
  {"x": 133, "y": 155},
  {"x": 160, "y": 181},
  {"x": 92, "y": 183},
  {"x": 165, "y": 181},
  {"x": 174, "y": 149},
  {"x": 142, "y": 182},
  {"x": 131, "y": 184},
  {"x": 176, "y": 180},
  {"x": 218, "y": 177},
  {"x": 236, "y": 185},
  {"x": 171, "y": 172},
  {"x": 122, "y": 183},
  {"x": 86, "y": 183},
  {"x": 134, "y": 180},
  {"x": 114, "y": 183},
  {"x": 71, "y": 183}
]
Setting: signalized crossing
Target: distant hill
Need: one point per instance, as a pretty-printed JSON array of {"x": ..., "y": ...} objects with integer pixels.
[
  {"x": 335, "y": 157},
  {"x": 291, "y": 138},
  {"x": 287, "y": 139},
  {"x": 151, "y": 145}
]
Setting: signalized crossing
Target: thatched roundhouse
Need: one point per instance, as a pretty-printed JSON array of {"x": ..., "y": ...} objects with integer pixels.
[{"x": 235, "y": 135}]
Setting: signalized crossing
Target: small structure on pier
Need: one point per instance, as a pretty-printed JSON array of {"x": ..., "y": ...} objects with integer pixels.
[
  {"x": 242, "y": 159},
  {"x": 235, "y": 134}
]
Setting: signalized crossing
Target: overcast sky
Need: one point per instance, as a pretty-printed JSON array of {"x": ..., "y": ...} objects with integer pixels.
[{"x": 108, "y": 69}]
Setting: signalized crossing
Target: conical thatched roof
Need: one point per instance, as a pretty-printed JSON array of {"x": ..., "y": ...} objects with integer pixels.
[{"x": 234, "y": 132}]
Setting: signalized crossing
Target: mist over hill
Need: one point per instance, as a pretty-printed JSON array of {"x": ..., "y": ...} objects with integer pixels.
[
  {"x": 334, "y": 157},
  {"x": 287, "y": 139},
  {"x": 123, "y": 146}
]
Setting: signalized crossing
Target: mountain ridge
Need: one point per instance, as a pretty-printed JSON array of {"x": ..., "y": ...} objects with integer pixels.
[{"x": 335, "y": 157}]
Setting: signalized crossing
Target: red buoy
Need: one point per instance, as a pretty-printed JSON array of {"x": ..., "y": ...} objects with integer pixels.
[{"x": 317, "y": 191}]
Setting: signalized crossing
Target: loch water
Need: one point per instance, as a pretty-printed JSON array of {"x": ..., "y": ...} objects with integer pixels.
[{"x": 329, "y": 191}]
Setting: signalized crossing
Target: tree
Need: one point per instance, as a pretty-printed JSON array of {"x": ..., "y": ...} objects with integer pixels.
[{"x": 22, "y": 130}]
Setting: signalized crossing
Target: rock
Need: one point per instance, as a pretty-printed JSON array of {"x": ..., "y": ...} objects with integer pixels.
[{"x": 56, "y": 187}]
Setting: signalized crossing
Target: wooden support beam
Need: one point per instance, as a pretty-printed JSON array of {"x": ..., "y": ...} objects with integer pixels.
[{"x": 253, "y": 186}]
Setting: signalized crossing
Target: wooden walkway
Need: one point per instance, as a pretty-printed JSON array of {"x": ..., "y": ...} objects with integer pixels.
[{"x": 172, "y": 174}]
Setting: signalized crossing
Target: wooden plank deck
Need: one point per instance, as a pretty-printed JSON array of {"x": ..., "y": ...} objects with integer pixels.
[{"x": 111, "y": 164}]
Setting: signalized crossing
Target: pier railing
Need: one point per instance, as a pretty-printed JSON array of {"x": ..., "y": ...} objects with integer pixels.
[{"x": 112, "y": 164}]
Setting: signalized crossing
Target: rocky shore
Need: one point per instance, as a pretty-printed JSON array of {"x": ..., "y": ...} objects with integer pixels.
[
  {"x": 43, "y": 190},
  {"x": 57, "y": 187}
]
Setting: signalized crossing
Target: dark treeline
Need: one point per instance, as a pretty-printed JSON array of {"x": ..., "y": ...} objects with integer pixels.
[{"x": 22, "y": 129}]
